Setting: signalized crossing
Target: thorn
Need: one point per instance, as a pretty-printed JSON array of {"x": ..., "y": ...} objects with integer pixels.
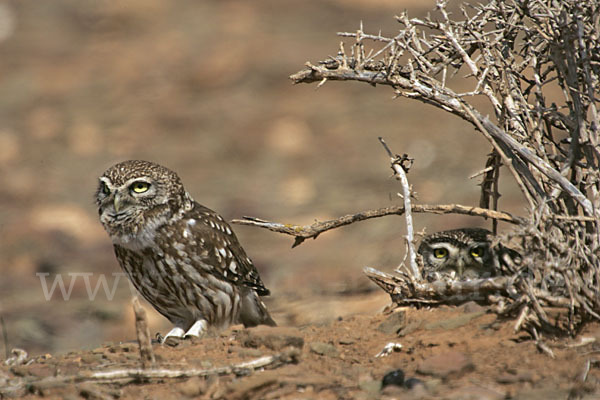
[
  {"x": 298, "y": 241},
  {"x": 385, "y": 146}
]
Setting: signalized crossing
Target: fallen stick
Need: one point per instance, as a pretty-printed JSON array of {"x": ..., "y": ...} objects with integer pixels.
[
  {"x": 404, "y": 291},
  {"x": 143, "y": 335},
  {"x": 127, "y": 375}
]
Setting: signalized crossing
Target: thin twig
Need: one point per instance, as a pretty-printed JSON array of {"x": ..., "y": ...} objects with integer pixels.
[
  {"x": 489, "y": 185},
  {"x": 4, "y": 337},
  {"x": 127, "y": 375},
  {"x": 482, "y": 172},
  {"x": 522, "y": 317},
  {"x": 399, "y": 170},
  {"x": 543, "y": 347},
  {"x": 18, "y": 357},
  {"x": 143, "y": 335},
  {"x": 303, "y": 232}
]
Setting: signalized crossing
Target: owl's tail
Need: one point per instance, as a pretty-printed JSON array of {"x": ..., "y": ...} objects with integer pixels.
[{"x": 253, "y": 311}]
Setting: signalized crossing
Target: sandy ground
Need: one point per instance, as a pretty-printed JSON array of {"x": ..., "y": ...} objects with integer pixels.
[{"x": 449, "y": 353}]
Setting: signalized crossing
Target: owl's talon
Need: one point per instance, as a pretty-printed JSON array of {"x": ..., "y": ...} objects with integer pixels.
[{"x": 173, "y": 341}]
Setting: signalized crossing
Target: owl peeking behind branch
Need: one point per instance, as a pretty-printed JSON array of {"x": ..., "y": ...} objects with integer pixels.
[
  {"x": 465, "y": 253},
  {"x": 182, "y": 257}
]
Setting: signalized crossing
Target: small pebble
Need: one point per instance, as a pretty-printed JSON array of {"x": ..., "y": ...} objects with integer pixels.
[
  {"x": 411, "y": 383},
  {"x": 91, "y": 358},
  {"x": 395, "y": 377},
  {"x": 324, "y": 349}
]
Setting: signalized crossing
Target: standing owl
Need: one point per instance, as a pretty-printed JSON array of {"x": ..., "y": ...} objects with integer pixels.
[
  {"x": 182, "y": 257},
  {"x": 460, "y": 253}
]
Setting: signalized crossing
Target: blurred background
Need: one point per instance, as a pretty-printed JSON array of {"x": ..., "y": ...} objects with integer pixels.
[{"x": 202, "y": 87}]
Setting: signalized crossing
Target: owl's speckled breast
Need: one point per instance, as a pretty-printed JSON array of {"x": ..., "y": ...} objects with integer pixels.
[{"x": 143, "y": 238}]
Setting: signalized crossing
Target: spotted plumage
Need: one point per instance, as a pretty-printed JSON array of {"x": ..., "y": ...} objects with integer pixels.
[{"x": 182, "y": 257}]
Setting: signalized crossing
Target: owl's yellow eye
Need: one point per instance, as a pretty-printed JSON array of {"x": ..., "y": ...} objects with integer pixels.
[
  {"x": 104, "y": 188},
  {"x": 477, "y": 251},
  {"x": 140, "y": 187},
  {"x": 440, "y": 253}
]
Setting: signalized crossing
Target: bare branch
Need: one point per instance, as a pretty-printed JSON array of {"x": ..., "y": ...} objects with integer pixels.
[
  {"x": 143, "y": 335},
  {"x": 303, "y": 232},
  {"x": 127, "y": 375},
  {"x": 404, "y": 291},
  {"x": 400, "y": 171}
]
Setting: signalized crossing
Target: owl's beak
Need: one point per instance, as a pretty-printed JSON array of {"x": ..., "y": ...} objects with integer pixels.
[
  {"x": 118, "y": 202},
  {"x": 460, "y": 266}
]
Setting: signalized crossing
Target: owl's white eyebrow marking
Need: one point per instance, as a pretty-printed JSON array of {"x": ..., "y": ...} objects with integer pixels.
[
  {"x": 138, "y": 179},
  {"x": 440, "y": 245}
]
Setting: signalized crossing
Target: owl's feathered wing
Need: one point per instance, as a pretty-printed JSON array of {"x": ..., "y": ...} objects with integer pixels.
[
  {"x": 195, "y": 269},
  {"x": 219, "y": 250}
]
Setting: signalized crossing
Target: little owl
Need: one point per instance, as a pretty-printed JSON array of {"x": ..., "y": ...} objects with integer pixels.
[
  {"x": 464, "y": 253},
  {"x": 182, "y": 257}
]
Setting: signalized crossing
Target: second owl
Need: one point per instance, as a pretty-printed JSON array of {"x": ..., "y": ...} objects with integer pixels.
[{"x": 460, "y": 253}]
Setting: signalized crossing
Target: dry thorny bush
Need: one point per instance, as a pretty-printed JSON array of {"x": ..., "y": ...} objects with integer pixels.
[{"x": 537, "y": 63}]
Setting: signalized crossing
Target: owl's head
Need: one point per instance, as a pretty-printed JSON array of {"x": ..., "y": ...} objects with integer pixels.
[
  {"x": 464, "y": 253},
  {"x": 135, "y": 194}
]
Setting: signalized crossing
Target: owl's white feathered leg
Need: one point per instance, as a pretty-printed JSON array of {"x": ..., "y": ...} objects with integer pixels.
[
  {"x": 175, "y": 332},
  {"x": 198, "y": 328}
]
